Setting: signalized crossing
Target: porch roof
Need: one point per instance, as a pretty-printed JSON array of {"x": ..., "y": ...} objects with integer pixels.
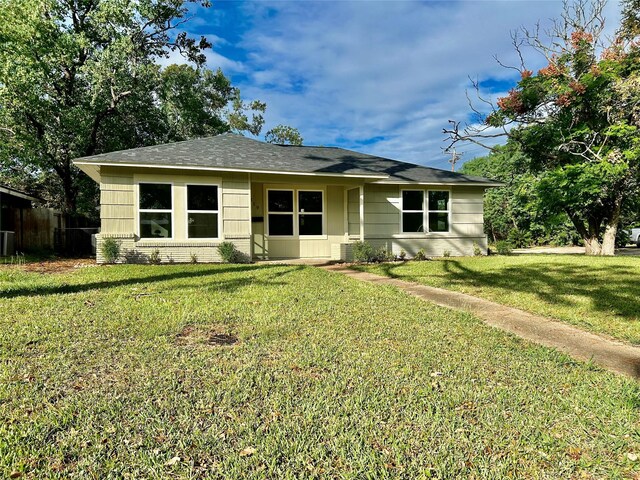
[{"x": 233, "y": 152}]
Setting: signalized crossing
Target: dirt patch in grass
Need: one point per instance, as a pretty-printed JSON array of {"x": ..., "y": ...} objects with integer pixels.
[
  {"x": 207, "y": 336},
  {"x": 61, "y": 265}
]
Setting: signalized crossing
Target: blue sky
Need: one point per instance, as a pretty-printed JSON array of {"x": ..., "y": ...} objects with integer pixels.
[{"x": 380, "y": 77}]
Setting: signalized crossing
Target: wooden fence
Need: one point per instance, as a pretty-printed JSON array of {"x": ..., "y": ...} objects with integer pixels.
[{"x": 34, "y": 227}]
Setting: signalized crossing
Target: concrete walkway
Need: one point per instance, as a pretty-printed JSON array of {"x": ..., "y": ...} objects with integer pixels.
[{"x": 613, "y": 355}]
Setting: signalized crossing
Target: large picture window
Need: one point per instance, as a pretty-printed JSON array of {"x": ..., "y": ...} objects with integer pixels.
[
  {"x": 155, "y": 209},
  {"x": 202, "y": 211},
  {"x": 292, "y": 212},
  {"x": 280, "y": 212},
  {"x": 425, "y": 211}
]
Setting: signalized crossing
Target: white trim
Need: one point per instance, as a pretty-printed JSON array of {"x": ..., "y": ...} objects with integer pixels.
[
  {"x": 295, "y": 213},
  {"x": 322, "y": 213},
  {"x": 218, "y": 212},
  {"x": 292, "y": 212},
  {"x": 425, "y": 213},
  {"x": 422, "y": 211},
  {"x": 252, "y": 242},
  {"x": 448, "y": 210},
  {"x": 361, "y": 211},
  {"x": 440, "y": 184},
  {"x": 137, "y": 210},
  {"x": 228, "y": 169},
  {"x": 345, "y": 211}
]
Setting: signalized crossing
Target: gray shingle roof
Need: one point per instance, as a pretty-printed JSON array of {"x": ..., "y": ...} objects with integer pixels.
[{"x": 231, "y": 151}]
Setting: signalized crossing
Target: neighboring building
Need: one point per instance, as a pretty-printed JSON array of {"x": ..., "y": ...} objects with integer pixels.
[
  {"x": 23, "y": 227},
  {"x": 280, "y": 201}
]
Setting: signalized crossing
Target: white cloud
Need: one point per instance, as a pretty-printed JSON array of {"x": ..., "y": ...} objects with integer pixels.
[{"x": 347, "y": 72}]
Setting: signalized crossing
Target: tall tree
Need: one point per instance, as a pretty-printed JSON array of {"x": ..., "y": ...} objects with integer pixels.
[
  {"x": 515, "y": 212},
  {"x": 283, "y": 135},
  {"x": 578, "y": 120},
  {"x": 80, "y": 77}
]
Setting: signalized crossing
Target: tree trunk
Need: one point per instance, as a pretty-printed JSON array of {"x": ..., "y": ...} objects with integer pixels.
[
  {"x": 69, "y": 189},
  {"x": 588, "y": 232},
  {"x": 611, "y": 228},
  {"x": 591, "y": 242},
  {"x": 592, "y": 245}
]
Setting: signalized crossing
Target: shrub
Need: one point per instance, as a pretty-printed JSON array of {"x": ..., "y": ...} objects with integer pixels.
[
  {"x": 363, "y": 252},
  {"x": 402, "y": 255},
  {"x": 518, "y": 238},
  {"x": 229, "y": 253},
  {"x": 154, "y": 257},
  {"x": 384, "y": 255},
  {"x": 477, "y": 251},
  {"x": 446, "y": 253},
  {"x": 503, "y": 247},
  {"x": 110, "y": 249},
  {"x": 622, "y": 238},
  {"x": 420, "y": 255},
  {"x": 194, "y": 258}
]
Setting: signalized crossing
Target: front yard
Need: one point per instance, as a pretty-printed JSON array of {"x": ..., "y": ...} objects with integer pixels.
[
  {"x": 289, "y": 372},
  {"x": 601, "y": 294}
]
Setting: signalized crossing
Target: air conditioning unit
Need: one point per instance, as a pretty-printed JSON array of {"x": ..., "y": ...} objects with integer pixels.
[{"x": 7, "y": 243}]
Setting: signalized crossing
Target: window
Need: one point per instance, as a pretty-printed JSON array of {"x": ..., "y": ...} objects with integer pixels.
[
  {"x": 310, "y": 213},
  {"x": 155, "y": 210},
  {"x": 420, "y": 208},
  {"x": 412, "y": 211},
  {"x": 292, "y": 212},
  {"x": 438, "y": 212},
  {"x": 202, "y": 211},
  {"x": 280, "y": 212}
]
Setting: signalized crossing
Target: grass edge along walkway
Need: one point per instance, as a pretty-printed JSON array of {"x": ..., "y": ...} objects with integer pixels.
[{"x": 610, "y": 354}]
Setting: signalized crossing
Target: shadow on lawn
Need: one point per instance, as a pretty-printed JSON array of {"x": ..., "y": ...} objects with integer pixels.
[
  {"x": 210, "y": 274},
  {"x": 609, "y": 288}
]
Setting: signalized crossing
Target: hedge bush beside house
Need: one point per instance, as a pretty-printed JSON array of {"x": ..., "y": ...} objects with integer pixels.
[
  {"x": 230, "y": 254},
  {"x": 110, "y": 249}
]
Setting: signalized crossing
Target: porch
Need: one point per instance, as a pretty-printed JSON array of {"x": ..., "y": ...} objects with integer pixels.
[{"x": 308, "y": 218}]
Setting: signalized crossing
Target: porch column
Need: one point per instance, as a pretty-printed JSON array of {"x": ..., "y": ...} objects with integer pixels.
[
  {"x": 345, "y": 201},
  {"x": 362, "y": 213}
]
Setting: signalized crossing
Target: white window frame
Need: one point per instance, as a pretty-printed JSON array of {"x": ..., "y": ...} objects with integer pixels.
[
  {"x": 187, "y": 211},
  {"x": 425, "y": 212},
  {"x": 320, "y": 213},
  {"x": 155, "y": 210},
  {"x": 403, "y": 211},
  {"x": 296, "y": 213},
  {"x": 428, "y": 210},
  {"x": 292, "y": 212}
]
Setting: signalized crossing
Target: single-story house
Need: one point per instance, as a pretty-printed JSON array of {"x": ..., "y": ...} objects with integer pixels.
[{"x": 280, "y": 201}]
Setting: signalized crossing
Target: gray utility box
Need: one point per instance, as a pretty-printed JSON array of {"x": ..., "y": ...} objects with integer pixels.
[{"x": 7, "y": 243}]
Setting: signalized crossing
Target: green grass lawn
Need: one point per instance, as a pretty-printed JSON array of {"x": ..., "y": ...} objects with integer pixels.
[
  {"x": 601, "y": 294},
  {"x": 116, "y": 372}
]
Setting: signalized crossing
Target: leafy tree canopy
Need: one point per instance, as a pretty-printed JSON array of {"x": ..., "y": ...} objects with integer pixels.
[
  {"x": 514, "y": 212},
  {"x": 80, "y": 77},
  {"x": 283, "y": 135},
  {"x": 578, "y": 121}
]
